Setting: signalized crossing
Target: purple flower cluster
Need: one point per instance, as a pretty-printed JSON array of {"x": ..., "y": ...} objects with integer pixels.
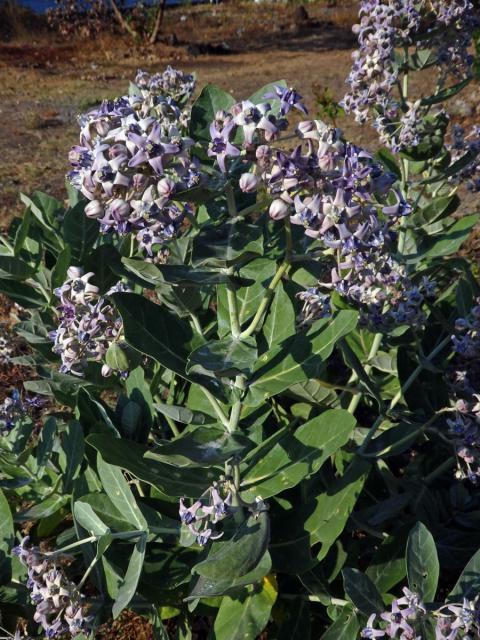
[
  {"x": 88, "y": 322},
  {"x": 464, "y": 378},
  {"x": 204, "y": 514},
  {"x": 254, "y": 124},
  {"x": 172, "y": 83},
  {"x": 134, "y": 156},
  {"x": 14, "y": 409},
  {"x": 444, "y": 27},
  {"x": 466, "y": 143},
  {"x": 60, "y": 608},
  {"x": 346, "y": 201},
  {"x": 405, "y": 617}
]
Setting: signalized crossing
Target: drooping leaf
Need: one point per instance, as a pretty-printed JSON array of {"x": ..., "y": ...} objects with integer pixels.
[
  {"x": 6, "y": 539},
  {"x": 280, "y": 321},
  {"x": 211, "y": 100},
  {"x": 423, "y": 568},
  {"x": 226, "y": 357},
  {"x": 88, "y": 519},
  {"x": 117, "y": 489},
  {"x": 468, "y": 584},
  {"x": 345, "y": 627},
  {"x": 73, "y": 448},
  {"x": 240, "y": 555},
  {"x": 362, "y": 592},
  {"x": 129, "y": 586},
  {"x": 80, "y": 232}
]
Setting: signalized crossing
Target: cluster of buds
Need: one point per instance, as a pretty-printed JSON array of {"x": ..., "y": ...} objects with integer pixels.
[
  {"x": 60, "y": 607},
  {"x": 406, "y": 616},
  {"x": 464, "y": 378},
  {"x": 14, "y": 409},
  {"x": 88, "y": 323},
  {"x": 204, "y": 514},
  {"x": 134, "y": 156},
  {"x": 257, "y": 123},
  {"x": 172, "y": 83},
  {"x": 384, "y": 27},
  {"x": 463, "y": 143}
]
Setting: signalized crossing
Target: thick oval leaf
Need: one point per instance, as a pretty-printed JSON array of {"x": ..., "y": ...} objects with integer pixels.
[
  {"x": 88, "y": 519},
  {"x": 203, "y": 446},
  {"x": 240, "y": 555},
  {"x": 129, "y": 586},
  {"x": 227, "y": 357},
  {"x": 15, "y": 269},
  {"x": 387, "y": 567},
  {"x": 73, "y": 448},
  {"x": 117, "y": 489},
  {"x": 280, "y": 321},
  {"x": 422, "y": 562},
  {"x": 300, "y": 358},
  {"x": 211, "y": 100},
  {"x": 468, "y": 585},
  {"x": 297, "y": 455},
  {"x": 208, "y": 587},
  {"x": 362, "y": 592},
  {"x": 79, "y": 232},
  {"x": 245, "y": 618},
  {"x": 152, "y": 330},
  {"x": 171, "y": 482}
]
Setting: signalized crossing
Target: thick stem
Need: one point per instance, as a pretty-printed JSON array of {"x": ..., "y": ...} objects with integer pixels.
[
  {"x": 216, "y": 407},
  {"x": 158, "y": 22},
  {"x": 237, "y": 405}
]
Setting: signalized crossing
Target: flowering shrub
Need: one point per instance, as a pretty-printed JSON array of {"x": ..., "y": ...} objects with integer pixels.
[{"x": 258, "y": 346}]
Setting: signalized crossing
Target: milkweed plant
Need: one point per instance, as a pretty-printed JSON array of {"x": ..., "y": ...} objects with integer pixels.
[{"x": 256, "y": 400}]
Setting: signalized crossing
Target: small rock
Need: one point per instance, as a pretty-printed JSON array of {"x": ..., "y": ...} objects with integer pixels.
[{"x": 461, "y": 108}]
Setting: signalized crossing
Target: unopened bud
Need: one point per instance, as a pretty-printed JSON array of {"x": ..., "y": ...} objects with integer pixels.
[
  {"x": 279, "y": 209},
  {"x": 119, "y": 208},
  {"x": 94, "y": 209},
  {"x": 248, "y": 182}
]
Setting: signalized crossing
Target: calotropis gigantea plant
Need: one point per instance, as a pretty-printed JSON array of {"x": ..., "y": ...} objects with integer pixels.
[{"x": 259, "y": 347}]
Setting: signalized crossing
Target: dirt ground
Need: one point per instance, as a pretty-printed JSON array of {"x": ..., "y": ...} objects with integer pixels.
[{"x": 45, "y": 81}]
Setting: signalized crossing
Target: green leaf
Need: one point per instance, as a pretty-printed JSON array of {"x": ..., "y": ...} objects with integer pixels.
[
  {"x": 117, "y": 489},
  {"x": 280, "y": 321},
  {"x": 211, "y": 100},
  {"x": 129, "y": 586},
  {"x": 362, "y": 592},
  {"x": 15, "y": 269},
  {"x": 438, "y": 209},
  {"x": 180, "y": 275},
  {"x": 208, "y": 588},
  {"x": 43, "y": 509},
  {"x": 106, "y": 511},
  {"x": 245, "y": 617},
  {"x": 468, "y": 584},
  {"x": 258, "y": 96},
  {"x": 73, "y": 448},
  {"x": 444, "y": 244},
  {"x": 170, "y": 481},
  {"x": 387, "y": 567},
  {"x": 226, "y": 244},
  {"x": 183, "y": 414},
  {"x": 446, "y": 94},
  {"x": 227, "y": 357},
  {"x": 298, "y": 454},
  {"x": 152, "y": 330},
  {"x": 6, "y": 539},
  {"x": 422, "y": 563},
  {"x": 46, "y": 442},
  {"x": 25, "y": 295},
  {"x": 59, "y": 271},
  {"x": 240, "y": 555},
  {"x": 345, "y": 627},
  {"x": 88, "y": 519},
  {"x": 299, "y": 358},
  {"x": 79, "y": 232},
  {"x": 329, "y": 513},
  {"x": 203, "y": 446}
]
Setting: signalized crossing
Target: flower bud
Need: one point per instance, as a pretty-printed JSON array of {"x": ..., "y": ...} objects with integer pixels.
[
  {"x": 102, "y": 127},
  {"x": 263, "y": 153},
  {"x": 117, "y": 150},
  {"x": 279, "y": 209},
  {"x": 248, "y": 182},
  {"x": 166, "y": 187},
  {"x": 119, "y": 208},
  {"x": 74, "y": 272},
  {"x": 305, "y": 127},
  {"x": 94, "y": 209}
]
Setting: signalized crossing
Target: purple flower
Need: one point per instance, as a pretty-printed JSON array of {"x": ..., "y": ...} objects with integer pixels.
[
  {"x": 220, "y": 147},
  {"x": 289, "y": 98}
]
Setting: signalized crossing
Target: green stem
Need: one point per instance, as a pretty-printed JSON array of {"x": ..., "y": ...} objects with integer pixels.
[
  {"x": 71, "y": 546},
  {"x": 408, "y": 383},
  {"x": 269, "y": 291},
  {"x": 377, "y": 341},
  {"x": 216, "y": 407},
  {"x": 196, "y": 323},
  {"x": 233, "y": 310},
  {"x": 237, "y": 405},
  {"x": 439, "y": 470}
]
